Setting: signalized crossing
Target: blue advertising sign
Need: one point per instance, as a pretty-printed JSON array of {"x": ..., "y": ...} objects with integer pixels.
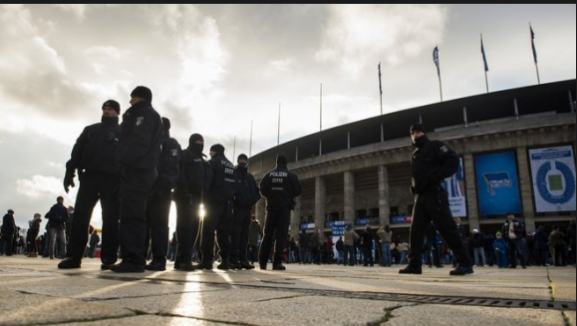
[
  {"x": 401, "y": 219},
  {"x": 367, "y": 220},
  {"x": 497, "y": 183}
]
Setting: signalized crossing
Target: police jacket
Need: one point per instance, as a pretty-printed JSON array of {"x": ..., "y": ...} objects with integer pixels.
[
  {"x": 280, "y": 187},
  {"x": 168, "y": 165},
  {"x": 140, "y": 137},
  {"x": 248, "y": 193},
  {"x": 8, "y": 224},
  {"x": 431, "y": 163},
  {"x": 192, "y": 176},
  {"x": 224, "y": 180},
  {"x": 95, "y": 148}
]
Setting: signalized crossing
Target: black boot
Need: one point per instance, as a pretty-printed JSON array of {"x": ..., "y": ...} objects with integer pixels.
[
  {"x": 156, "y": 265},
  {"x": 69, "y": 263}
]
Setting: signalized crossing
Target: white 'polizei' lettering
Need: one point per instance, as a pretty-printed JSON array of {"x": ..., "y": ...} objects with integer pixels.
[{"x": 279, "y": 174}]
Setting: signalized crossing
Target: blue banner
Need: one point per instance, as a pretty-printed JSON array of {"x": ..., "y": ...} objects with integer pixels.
[{"x": 497, "y": 184}]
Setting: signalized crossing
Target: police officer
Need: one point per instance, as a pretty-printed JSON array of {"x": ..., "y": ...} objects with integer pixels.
[
  {"x": 92, "y": 158},
  {"x": 218, "y": 210},
  {"x": 281, "y": 188},
  {"x": 160, "y": 199},
  {"x": 248, "y": 195},
  {"x": 190, "y": 187},
  {"x": 138, "y": 154},
  {"x": 8, "y": 232},
  {"x": 432, "y": 162}
]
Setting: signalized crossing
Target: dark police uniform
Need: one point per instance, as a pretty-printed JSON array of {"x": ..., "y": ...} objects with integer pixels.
[
  {"x": 93, "y": 157},
  {"x": 248, "y": 195},
  {"x": 218, "y": 212},
  {"x": 138, "y": 154},
  {"x": 432, "y": 162},
  {"x": 188, "y": 193},
  {"x": 280, "y": 187},
  {"x": 161, "y": 197}
]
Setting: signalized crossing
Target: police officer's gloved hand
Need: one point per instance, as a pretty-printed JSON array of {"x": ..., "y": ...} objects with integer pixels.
[{"x": 69, "y": 181}]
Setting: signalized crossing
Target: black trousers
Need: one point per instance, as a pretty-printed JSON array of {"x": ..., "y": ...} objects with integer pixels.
[
  {"x": 239, "y": 236},
  {"x": 434, "y": 206},
  {"x": 134, "y": 190},
  {"x": 157, "y": 214},
  {"x": 94, "y": 187},
  {"x": 218, "y": 218},
  {"x": 8, "y": 241},
  {"x": 275, "y": 233},
  {"x": 187, "y": 226}
]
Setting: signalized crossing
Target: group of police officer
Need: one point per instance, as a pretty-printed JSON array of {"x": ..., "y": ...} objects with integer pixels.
[{"x": 136, "y": 169}]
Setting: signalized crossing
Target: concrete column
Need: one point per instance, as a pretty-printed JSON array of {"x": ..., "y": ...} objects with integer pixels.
[
  {"x": 320, "y": 198},
  {"x": 295, "y": 220},
  {"x": 384, "y": 202},
  {"x": 349, "y": 200},
  {"x": 525, "y": 188},
  {"x": 260, "y": 211},
  {"x": 471, "y": 192}
]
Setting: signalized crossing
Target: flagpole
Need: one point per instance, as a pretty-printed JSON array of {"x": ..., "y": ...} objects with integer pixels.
[
  {"x": 486, "y": 67},
  {"x": 250, "y": 141},
  {"x": 440, "y": 88},
  {"x": 321, "y": 110},
  {"x": 321, "y": 122},
  {"x": 278, "y": 134},
  {"x": 534, "y": 53},
  {"x": 233, "y": 147},
  {"x": 380, "y": 89}
]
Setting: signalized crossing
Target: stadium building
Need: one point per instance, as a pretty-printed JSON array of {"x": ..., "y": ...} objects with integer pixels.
[{"x": 517, "y": 150}]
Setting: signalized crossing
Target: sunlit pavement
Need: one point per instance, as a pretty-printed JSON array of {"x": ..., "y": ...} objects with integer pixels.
[{"x": 33, "y": 291}]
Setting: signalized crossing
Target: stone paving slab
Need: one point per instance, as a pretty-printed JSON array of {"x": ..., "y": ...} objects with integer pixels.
[
  {"x": 32, "y": 309},
  {"x": 94, "y": 288},
  {"x": 454, "y": 315},
  {"x": 265, "y": 308},
  {"x": 148, "y": 320}
]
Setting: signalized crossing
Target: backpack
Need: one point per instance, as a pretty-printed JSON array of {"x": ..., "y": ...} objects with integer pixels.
[{"x": 248, "y": 193}]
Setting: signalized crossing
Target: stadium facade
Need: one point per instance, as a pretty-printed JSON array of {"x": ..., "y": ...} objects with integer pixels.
[{"x": 517, "y": 150}]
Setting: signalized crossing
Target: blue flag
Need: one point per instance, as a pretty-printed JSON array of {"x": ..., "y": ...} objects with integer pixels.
[
  {"x": 483, "y": 53},
  {"x": 533, "y": 44},
  {"x": 436, "y": 60}
]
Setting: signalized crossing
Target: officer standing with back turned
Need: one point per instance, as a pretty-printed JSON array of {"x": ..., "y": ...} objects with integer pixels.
[
  {"x": 432, "y": 162},
  {"x": 281, "y": 188}
]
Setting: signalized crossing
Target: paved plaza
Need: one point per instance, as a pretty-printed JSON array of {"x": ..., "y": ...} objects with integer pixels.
[{"x": 34, "y": 292}]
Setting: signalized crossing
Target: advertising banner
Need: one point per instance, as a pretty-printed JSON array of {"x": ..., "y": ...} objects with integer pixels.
[
  {"x": 497, "y": 184},
  {"x": 455, "y": 186},
  {"x": 553, "y": 175}
]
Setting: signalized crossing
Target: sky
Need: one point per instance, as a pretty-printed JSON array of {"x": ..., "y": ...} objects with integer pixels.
[{"x": 231, "y": 72}]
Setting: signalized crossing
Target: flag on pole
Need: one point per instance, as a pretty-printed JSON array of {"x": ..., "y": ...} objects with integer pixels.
[
  {"x": 436, "y": 60},
  {"x": 533, "y": 43},
  {"x": 483, "y": 53},
  {"x": 380, "y": 87}
]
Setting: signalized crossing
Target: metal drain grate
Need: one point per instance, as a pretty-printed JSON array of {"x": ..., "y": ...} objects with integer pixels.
[{"x": 468, "y": 301}]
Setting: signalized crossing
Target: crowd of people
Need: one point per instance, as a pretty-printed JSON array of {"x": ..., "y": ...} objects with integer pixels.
[{"x": 136, "y": 169}]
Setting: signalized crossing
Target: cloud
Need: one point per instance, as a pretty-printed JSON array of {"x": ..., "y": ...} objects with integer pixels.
[
  {"x": 357, "y": 33},
  {"x": 281, "y": 65},
  {"x": 76, "y": 9},
  {"x": 32, "y": 71},
  {"x": 38, "y": 186}
]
